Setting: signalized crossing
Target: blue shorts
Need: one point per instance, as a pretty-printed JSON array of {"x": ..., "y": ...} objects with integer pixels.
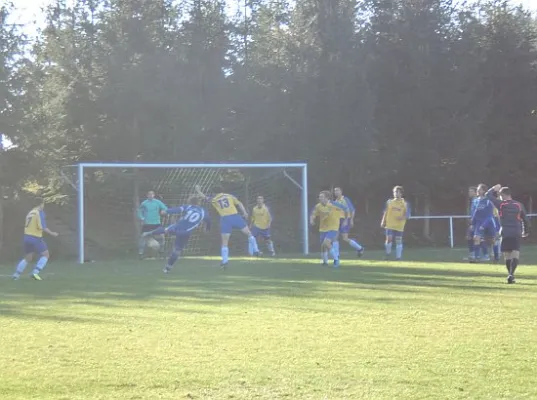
[
  {"x": 346, "y": 228},
  {"x": 330, "y": 235},
  {"x": 258, "y": 232},
  {"x": 181, "y": 240},
  {"x": 395, "y": 234},
  {"x": 486, "y": 229},
  {"x": 32, "y": 244},
  {"x": 230, "y": 222}
]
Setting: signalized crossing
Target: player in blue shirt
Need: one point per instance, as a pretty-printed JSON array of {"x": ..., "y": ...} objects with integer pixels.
[
  {"x": 346, "y": 225},
  {"x": 150, "y": 212},
  {"x": 191, "y": 217},
  {"x": 482, "y": 223},
  {"x": 472, "y": 198}
]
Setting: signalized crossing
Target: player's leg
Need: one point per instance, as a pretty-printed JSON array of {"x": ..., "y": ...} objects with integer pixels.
[
  {"x": 354, "y": 244},
  {"x": 512, "y": 248},
  {"x": 470, "y": 242},
  {"x": 324, "y": 249},
  {"x": 330, "y": 238},
  {"x": 515, "y": 255},
  {"x": 179, "y": 245},
  {"x": 224, "y": 252},
  {"x": 496, "y": 244},
  {"x": 40, "y": 247},
  {"x": 388, "y": 242},
  {"x": 489, "y": 234},
  {"x": 41, "y": 263},
  {"x": 252, "y": 242},
  {"x": 335, "y": 246},
  {"x": 142, "y": 241},
  {"x": 478, "y": 238},
  {"x": 28, "y": 256},
  {"x": 268, "y": 241},
  {"x": 398, "y": 236},
  {"x": 256, "y": 233},
  {"x": 226, "y": 227},
  {"x": 496, "y": 249}
]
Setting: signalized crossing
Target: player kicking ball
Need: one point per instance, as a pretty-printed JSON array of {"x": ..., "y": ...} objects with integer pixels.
[
  {"x": 191, "y": 217},
  {"x": 260, "y": 225},
  {"x": 227, "y": 206},
  {"x": 33, "y": 242},
  {"x": 329, "y": 213}
]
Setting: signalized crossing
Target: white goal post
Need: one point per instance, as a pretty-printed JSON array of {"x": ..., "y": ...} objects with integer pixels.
[{"x": 301, "y": 184}]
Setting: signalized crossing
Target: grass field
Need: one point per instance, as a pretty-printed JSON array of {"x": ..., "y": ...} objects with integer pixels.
[{"x": 271, "y": 329}]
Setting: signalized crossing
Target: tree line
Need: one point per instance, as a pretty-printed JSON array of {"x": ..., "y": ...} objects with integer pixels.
[{"x": 430, "y": 94}]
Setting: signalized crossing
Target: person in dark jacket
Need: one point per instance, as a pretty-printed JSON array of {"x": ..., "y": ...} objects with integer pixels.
[{"x": 515, "y": 225}]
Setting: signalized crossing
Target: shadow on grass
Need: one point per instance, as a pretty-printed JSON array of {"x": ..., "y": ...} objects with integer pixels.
[{"x": 197, "y": 283}]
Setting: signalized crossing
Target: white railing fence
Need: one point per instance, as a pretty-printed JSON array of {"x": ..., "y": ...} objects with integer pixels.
[{"x": 450, "y": 218}]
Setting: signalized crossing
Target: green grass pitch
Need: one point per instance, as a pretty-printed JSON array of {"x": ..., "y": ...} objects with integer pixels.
[{"x": 271, "y": 329}]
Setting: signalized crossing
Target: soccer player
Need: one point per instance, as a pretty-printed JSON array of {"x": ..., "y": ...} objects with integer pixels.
[
  {"x": 515, "y": 225},
  {"x": 346, "y": 224},
  {"x": 396, "y": 213},
  {"x": 33, "y": 241},
  {"x": 150, "y": 212},
  {"x": 226, "y": 205},
  {"x": 260, "y": 223},
  {"x": 483, "y": 224},
  {"x": 472, "y": 197},
  {"x": 329, "y": 220},
  {"x": 191, "y": 217},
  {"x": 497, "y": 242}
]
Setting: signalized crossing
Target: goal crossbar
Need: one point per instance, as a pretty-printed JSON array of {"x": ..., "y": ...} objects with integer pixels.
[{"x": 81, "y": 167}]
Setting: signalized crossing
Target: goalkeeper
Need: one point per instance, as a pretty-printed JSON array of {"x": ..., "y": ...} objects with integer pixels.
[{"x": 149, "y": 213}]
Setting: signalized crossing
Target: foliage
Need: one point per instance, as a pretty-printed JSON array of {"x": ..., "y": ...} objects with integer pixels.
[{"x": 431, "y": 93}]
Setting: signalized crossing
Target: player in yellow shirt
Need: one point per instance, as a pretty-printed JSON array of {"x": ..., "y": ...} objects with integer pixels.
[
  {"x": 396, "y": 213},
  {"x": 329, "y": 214},
  {"x": 33, "y": 242},
  {"x": 260, "y": 223},
  {"x": 227, "y": 206}
]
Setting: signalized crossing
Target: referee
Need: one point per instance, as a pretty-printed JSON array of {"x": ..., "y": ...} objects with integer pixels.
[{"x": 514, "y": 225}]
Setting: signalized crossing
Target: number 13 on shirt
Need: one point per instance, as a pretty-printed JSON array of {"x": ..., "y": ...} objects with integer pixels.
[{"x": 223, "y": 203}]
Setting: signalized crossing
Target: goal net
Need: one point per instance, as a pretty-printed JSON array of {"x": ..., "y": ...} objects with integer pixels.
[{"x": 105, "y": 204}]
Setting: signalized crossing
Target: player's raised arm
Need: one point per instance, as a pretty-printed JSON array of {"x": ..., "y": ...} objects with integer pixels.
[
  {"x": 197, "y": 188},
  {"x": 492, "y": 195}
]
